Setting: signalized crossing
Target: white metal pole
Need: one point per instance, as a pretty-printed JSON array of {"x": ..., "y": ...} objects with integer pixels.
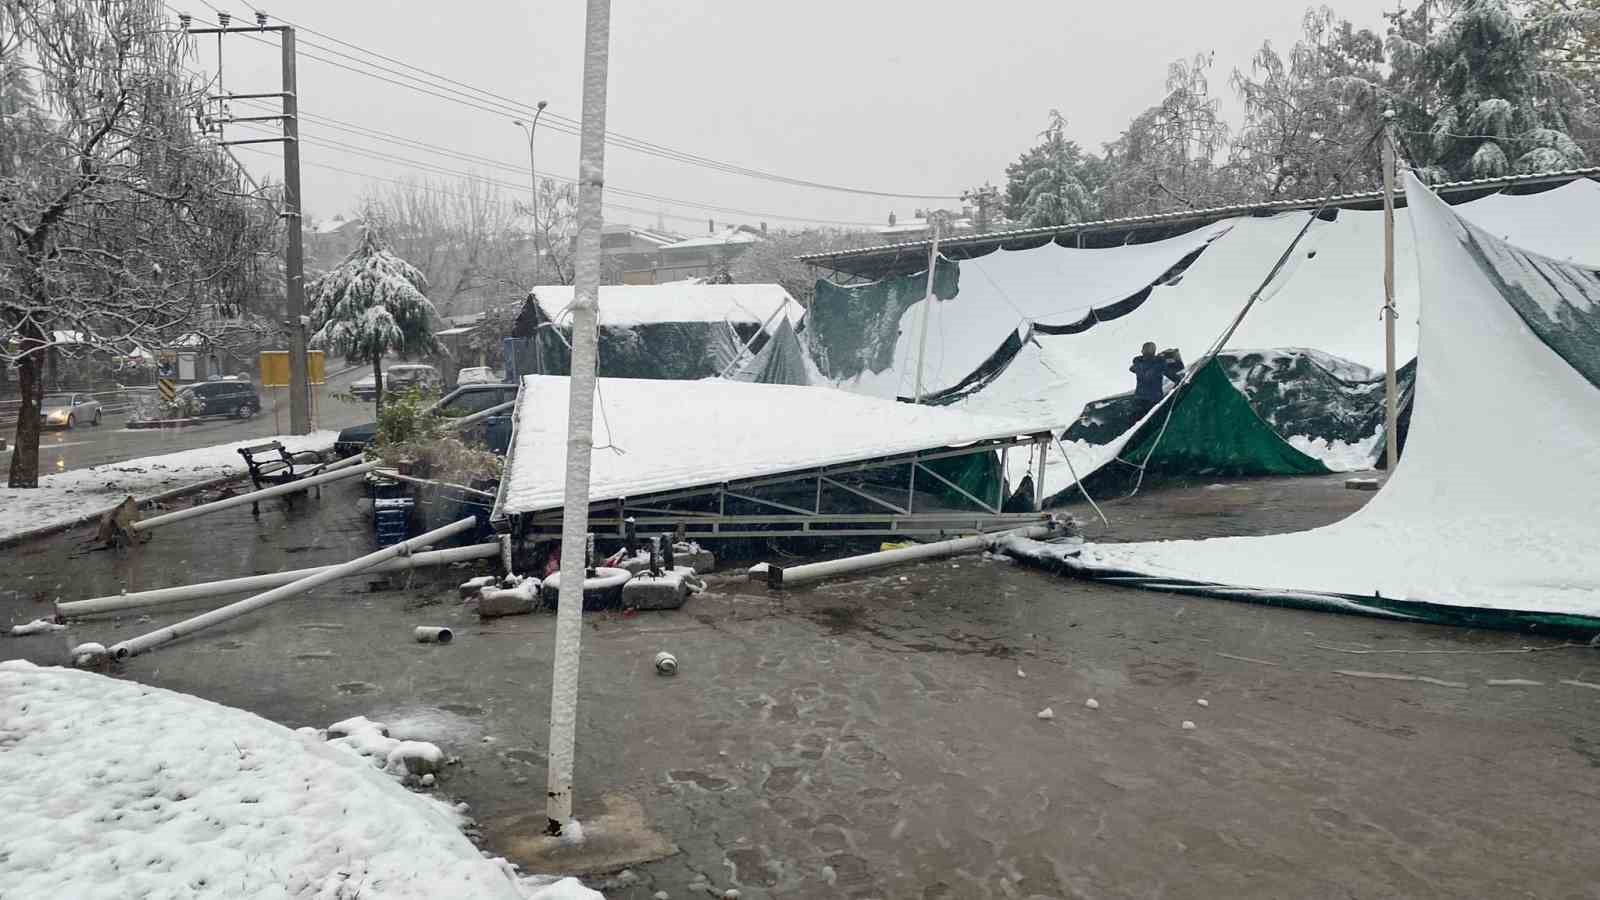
[
  {"x": 927, "y": 302},
  {"x": 798, "y": 575},
  {"x": 580, "y": 418},
  {"x": 1391, "y": 404},
  {"x": 344, "y": 468},
  {"x": 203, "y": 590},
  {"x": 150, "y": 640}
]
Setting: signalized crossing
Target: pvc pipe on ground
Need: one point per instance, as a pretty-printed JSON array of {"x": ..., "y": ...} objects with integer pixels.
[
  {"x": 203, "y": 590},
  {"x": 344, "y": 468},
  {"x": 798, "y": 575},
  {"x": 470, "y": 420},
  {"x": 137, "y": 645},
  {"x": 433, "y": 634}
]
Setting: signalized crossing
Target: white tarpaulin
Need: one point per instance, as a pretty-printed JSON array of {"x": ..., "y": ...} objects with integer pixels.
[
  {"x": 672, "y": 435},
  {"x": 1002, "y": 291},
  {"x": 1504, "y": 520}
]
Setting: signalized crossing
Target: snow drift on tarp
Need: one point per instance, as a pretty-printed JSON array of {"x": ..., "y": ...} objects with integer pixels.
[
  {"x": 1499, "y": 531},
  {"x": 868, "y": 339}
]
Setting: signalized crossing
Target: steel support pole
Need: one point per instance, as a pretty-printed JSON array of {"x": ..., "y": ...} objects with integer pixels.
[{"x": 1391, "y": 403}]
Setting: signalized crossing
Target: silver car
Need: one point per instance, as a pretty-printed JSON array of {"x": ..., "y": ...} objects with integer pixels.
[{"x": 69, "y": 410}]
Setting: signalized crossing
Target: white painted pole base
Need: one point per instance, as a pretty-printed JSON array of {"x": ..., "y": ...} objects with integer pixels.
[{"x": 812, "y": 572}]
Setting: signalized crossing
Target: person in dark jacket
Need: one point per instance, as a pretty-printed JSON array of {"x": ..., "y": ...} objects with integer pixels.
[{"x": 1151, "y": 371}]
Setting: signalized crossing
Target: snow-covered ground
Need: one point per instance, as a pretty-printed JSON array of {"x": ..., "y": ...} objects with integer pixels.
[
  {"x": 69, "y": 495},
  {"x": 114, "y": 789}
]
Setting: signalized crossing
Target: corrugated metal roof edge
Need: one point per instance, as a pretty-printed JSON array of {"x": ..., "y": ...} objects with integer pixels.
[{"x": 1199, "y": 216}]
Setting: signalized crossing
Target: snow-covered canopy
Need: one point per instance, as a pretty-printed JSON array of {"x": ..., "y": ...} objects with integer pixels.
[
  {"x": 650, "y": 304},
  {"x": 1492, "y": 506},
  {"x": 1327, "y": 298},
  {"x": 737, "y": 430}
]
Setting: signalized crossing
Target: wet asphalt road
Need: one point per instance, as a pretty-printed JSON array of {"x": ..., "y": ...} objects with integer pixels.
[
  {"x": 874, "y": 738},
  {"x": 86, "y": 445}
]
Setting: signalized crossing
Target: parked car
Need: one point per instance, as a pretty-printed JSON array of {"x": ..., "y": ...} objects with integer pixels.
[
  {"x": 478, "y": 375},
  {"x": 68, "y": 410},
  {"x": 223, "y": 398},
  {"x": 399, "y": 377},
  {"x": 463, "y": 401}
]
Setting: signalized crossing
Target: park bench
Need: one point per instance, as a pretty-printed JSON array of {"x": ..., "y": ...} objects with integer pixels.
[{"x": 271, "y": 464}]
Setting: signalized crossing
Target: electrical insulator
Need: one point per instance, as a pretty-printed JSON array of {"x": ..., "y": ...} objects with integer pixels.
[
  {"x": 183, "y": 20},
  {"x": 261, "y": 19},
  {"x": 223, "y": 19}
]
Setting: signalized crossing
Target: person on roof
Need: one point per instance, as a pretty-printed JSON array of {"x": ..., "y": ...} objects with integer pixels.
[{"x": 1151, "y": 371}]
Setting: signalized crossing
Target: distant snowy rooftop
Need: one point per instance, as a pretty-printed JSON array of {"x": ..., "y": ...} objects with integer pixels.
[
  {"x": 650, "y": 304},
  {"x": 725, "y": 236},
  {"x": 737, "y": 430}
]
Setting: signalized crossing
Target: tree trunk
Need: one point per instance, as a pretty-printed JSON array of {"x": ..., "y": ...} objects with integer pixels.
[
  {"x": 25, "y": 458},
  {"x": 377, "y": 384}
]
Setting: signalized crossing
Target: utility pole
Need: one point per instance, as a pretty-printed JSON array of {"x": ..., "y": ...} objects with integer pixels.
[
  {"x": 936, "y": 219},
  {"x": 580, "y": 419},
  {"x": 1391, "y": 403},
  {"x": 294, "y": 245}
]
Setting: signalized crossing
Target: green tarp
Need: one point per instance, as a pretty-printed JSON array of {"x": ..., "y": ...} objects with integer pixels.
[
  {"x": 1213, "y": 430},
  {"x": 853, "y": 329}
]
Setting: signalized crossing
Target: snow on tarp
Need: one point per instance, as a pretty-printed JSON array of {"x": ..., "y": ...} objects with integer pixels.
[
  {"x": 1561, "y": 223},
  {"x": 112, "y": 789},
  {"x": 1003, "y": 291},
  {"x": 625, "y": 305},
  {"x": 1502, "y": 523},
  {"x": 677, "y": 435}
]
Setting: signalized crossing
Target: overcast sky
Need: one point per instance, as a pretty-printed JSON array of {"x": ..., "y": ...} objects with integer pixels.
[{"x": 921, "y": 97}]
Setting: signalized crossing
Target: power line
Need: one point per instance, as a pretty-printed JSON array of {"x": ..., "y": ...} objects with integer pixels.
[
  {"x": 464, "y": 156},
  {"x": 503, "y": 105}
]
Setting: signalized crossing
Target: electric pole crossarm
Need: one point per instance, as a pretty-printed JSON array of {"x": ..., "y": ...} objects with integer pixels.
[{"x": 276, "y": 140}]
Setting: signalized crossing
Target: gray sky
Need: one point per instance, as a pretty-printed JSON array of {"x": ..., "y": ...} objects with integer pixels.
[{"x": 927, "y": 97}]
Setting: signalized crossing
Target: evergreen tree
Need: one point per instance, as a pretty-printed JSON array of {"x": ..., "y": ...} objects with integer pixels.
[
  {"x": 1050, "y": 184},
  {"x": 372, "y": 304},
  {"x": 1476, "y": 93}
]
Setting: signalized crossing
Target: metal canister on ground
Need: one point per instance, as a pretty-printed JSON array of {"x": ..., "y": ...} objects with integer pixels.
[{"x": 666, "y": 663}]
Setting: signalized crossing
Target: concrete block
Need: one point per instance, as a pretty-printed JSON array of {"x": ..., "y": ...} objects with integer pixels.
[{"x": 513, "y": 601}]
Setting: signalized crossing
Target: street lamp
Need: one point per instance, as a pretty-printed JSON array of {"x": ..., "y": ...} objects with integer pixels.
[{"x": 533, "y": 175}]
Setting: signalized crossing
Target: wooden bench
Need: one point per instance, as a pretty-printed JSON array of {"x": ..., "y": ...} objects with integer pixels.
[{"x": 271, "y": 464}]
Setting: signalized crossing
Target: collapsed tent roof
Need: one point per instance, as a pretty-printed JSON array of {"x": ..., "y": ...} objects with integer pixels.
[
  {"x": 645, "y": 443},
  {"x": 1479, "y": 525},
  {"x": 782, "y": 361},
  {"x": 624, "y": 305}
]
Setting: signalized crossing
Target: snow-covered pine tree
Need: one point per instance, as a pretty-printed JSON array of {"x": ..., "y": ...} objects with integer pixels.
[
  {"x": 1055, "y": 193},
  {"x": 372, "y": 304},
  {"x": 1472, "y": 83}
]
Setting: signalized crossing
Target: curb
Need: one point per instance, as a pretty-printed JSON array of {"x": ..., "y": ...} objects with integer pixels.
[
  {"x": 184, "y": 490},
  {"x": 43, "y": 531},
  {"x": 161, "y": 423}
]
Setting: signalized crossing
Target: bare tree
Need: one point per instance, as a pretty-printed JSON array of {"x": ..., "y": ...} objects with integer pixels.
[{"x": 120, "y": 226}]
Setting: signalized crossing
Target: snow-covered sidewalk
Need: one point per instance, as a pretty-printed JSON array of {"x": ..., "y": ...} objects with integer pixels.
[
  {"x": 70, "y": 496},
  {"x": 113, "y": 789}
]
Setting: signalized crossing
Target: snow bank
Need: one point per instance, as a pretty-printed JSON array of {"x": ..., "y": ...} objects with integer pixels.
[
  {"x": 67, "y": 496},
  {"x": 1340, "y": 456},
  {"x": 112, "y": 789}
]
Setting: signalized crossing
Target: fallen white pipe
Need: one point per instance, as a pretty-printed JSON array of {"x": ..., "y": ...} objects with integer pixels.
[
  {"x": 137, "y": 645},
  {"x": 344, "y": 468},
  {"x": 480, "y": 415},
  {"x": 433, "y": 634},
  {"x": 797, "y": 575},
  {"x": 207, "y": 589}
]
